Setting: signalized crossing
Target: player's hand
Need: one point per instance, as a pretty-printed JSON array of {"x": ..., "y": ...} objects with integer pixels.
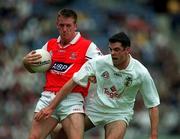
[
  {"x": 43, "y": 114},
  {"x": 32, "y": 58}
]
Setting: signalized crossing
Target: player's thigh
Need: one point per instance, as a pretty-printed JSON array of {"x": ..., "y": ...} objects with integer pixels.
[
  {"x": 115, "y": 130},
  {"x": 73, "y": 126},
  {"x": 41, "y": 129}
]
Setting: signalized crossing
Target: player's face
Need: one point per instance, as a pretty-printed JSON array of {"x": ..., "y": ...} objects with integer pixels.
[
  {"x": 120, "y": 55},
  {"x": 67, "y": 28}
]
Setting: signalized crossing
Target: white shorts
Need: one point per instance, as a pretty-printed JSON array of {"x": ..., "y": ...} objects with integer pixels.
[
  {"x": 73, "y": 103},
  {"x": 100, "y": 115}
]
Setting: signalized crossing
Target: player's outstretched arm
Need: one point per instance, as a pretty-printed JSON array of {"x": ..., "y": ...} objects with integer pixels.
[
  {"x": 154, "y": 119},
  {"x": 47, "y": 112},
  {"x": 66, "y": 89}
]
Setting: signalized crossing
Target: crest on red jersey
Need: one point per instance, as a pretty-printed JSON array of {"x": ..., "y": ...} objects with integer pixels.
[{"x": 73, "y": 55}]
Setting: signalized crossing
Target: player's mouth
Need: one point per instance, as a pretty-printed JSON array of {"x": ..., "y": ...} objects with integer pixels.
[{"x": 114, "y": 58}]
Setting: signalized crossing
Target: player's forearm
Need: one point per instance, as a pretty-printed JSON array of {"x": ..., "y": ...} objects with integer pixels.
[
  {"x": 154, "y": 118},
  {"x": 66, "y": 89}
]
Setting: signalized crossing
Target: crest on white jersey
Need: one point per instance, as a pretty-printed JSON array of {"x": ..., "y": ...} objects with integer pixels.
[
  {"x": 105, "y": 75},
  {"x": 128, "y": 81}
]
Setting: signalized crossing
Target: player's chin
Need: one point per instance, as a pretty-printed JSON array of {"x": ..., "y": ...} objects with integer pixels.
[{"x": 115, "y": 61}]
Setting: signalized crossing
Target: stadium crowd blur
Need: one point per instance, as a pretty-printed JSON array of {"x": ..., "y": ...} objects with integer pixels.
[{"x": 153, "y": 26}]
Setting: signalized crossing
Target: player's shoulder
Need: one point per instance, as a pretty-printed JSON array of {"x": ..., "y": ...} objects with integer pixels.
[
  {"x": 51, "y": 43},
  {"x": 137, "y": 65},
  {"x": 52, "y": 40},
  {"x": 84, "y": 40}
]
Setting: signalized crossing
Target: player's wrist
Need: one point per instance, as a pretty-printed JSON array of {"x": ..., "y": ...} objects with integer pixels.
[{"x": 51, "y": 107}]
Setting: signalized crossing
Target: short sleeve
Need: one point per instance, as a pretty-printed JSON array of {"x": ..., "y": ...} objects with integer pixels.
[
  {"x": 81, "y": 77},
  {"x": 149, "y": 92},
  {"x": 93, "y": 51}
]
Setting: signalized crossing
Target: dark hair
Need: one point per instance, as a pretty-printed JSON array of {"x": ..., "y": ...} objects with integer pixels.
[
  {"x": 68, "y": 13},
  {"x": 122, "y": 38}
]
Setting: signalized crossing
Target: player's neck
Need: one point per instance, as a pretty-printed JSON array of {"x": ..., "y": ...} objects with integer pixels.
[{"x": 65, "y": 42}]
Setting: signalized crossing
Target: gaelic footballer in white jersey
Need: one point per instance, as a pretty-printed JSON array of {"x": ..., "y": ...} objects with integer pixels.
[{"x": 116, "y": 89}]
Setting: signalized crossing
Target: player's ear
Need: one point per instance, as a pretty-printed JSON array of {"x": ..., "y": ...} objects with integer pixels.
[
  {"x": 76, "y": 26},
  {"x": 128, "y": 49}
]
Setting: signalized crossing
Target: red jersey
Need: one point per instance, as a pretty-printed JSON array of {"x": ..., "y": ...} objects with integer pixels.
[{"x": 65, "y": 62}]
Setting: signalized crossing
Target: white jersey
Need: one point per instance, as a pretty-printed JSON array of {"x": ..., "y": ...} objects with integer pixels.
[{"x": 117, "y": 89}]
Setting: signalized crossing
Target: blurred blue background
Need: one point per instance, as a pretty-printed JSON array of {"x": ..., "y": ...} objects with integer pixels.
[{"x": 153, "y": 26}]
